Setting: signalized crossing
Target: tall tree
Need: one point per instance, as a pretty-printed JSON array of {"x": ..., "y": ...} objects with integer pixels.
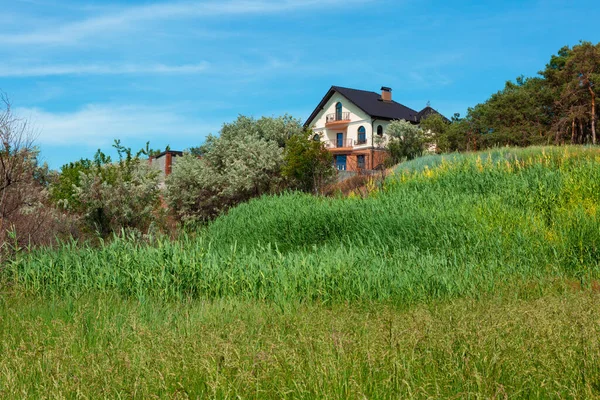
[
  {"x": 581, "y": 74},
  {"x": 518, "y": 115}
]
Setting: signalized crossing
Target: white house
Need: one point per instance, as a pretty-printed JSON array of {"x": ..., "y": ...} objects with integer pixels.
[{"x": 352, "y": 123}]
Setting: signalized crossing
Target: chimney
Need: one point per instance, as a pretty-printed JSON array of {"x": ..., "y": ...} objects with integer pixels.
[
  {"x": 168, "y": 162},
  {"x": 386, "y": 93}
]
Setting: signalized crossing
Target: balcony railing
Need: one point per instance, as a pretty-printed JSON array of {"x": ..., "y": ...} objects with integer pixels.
[
  {"x": 337, "y": 117},
  {"x": 360, "y": 142},
  {"x": 337, "y": 144}
]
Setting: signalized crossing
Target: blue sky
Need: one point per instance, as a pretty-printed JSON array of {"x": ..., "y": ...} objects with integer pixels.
[{"x": 87, "y": 72}]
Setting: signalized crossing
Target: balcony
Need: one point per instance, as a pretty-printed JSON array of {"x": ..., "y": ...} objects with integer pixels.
[
  {"x": 337, "y": 119},
  {"x": 344, "y": 144}
]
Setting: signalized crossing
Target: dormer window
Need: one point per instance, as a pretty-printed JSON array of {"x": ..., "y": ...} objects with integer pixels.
[{"x": 379, "y": 130}]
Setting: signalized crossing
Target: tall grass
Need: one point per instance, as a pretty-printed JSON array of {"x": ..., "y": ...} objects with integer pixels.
[
  {"x": 105, "y": 347},
  {"x": 439, "y": 228}
]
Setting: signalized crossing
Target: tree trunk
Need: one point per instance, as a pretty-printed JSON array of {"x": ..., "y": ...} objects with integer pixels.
[
  {"x": 581, "y": 132},
  {"x": 573, "y": 132},
  {"x": 593, "y": 115}
]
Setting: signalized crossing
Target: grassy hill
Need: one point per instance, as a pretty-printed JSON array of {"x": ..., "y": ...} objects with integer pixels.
[{"x": 463, "y": 275}]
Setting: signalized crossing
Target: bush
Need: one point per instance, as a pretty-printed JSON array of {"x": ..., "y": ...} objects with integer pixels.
[
  {"x": 245, "y": 161},
  {"x": 406, "y": 142},
  {"x": 231, "y": 171},
  {"x": 308, "y": 166},
  {"x": 26, "y": 217},
  {"x": 111, "y": 196}
]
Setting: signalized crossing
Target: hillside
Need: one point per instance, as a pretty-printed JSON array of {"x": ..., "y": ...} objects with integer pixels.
[
  {"x": 437, "y": 284},
  {"x": 460, "y": 227}
]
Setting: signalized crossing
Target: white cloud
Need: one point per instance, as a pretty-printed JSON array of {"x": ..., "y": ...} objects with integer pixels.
[
  {"x": 100, "y": 69},
  {"x": 126, "y": 18},
  {"x": 99, "y": 125}
]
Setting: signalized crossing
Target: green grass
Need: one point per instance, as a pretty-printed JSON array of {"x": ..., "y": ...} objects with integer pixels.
[
  {"x": 496, "y": 347},
  {"x": 458, "y": 229},
  {"x": 464, "y": 276}
]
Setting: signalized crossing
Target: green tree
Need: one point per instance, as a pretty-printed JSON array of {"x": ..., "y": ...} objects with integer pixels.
[
  {"x": 557, "y": 106},
  {"x": 579, "y": 80},
  {"x": 130, "y": 201},
  {"x": 518, "y": 115},
  {"x": 406, "y": 141},
  {"x": 308, "y": 166},
  {"x": 435, "y": 128}
]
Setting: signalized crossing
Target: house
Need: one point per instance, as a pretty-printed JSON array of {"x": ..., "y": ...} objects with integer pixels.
[
  {"x": 164, "y": 162},
  {"x": 352, "y": 124}
]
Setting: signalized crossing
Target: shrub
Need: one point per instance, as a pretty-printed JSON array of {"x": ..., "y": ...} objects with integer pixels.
[
  {"x": 245, "y": 161},
  {"x": 110, "y": 196},
  {"x": 308, "y": 166},
  {"x": 26, "y": 218}
]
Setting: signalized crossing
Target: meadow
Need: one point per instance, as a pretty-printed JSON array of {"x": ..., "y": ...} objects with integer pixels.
[{"x": 465, "y": 276}]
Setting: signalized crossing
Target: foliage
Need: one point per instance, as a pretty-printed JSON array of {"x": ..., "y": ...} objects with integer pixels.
[
  {"x": 406, "y": 141},
  {"x": 436, "y": 130},
  {"x": 577, "y": 86},
  {"x": 308, "y": 166},
  {"x": 516, "y": 116},
  {"x": 63, "y": 189},
  {"x": 434, "y": 123},
  {"x": 129, "y": 199},
  {"x": 558, "y": 106},
  {"x": 110, "y": 196},
  {"x": 245, "y": 161},
  {"x": 270, "y": 129},
  {"x": 195, "y": 151}
]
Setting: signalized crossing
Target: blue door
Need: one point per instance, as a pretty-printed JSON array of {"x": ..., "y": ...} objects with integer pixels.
[
  {"x": 340, "y": 162},
  {"x": 340, "y": 140}
]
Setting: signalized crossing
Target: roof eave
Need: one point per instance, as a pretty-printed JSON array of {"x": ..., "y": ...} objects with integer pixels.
[{"x": 320, "y": 106}]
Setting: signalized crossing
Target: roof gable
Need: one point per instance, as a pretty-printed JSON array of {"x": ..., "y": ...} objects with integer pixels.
[
  {"x": 370, "y": 102},
  {"x": 427, "y": 111}
]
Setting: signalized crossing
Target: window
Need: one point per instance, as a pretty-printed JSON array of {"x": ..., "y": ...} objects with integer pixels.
[
  {"x": 362, "y": 135},
  {"x": 338, "y": 111},
  {"x": 379, "y": 130},
  {"x": 317, "y": 138},
  {"x": 360, "y": 161},
  {"x": 340, "y": 162},
  {"x": 339, "y": 140}
]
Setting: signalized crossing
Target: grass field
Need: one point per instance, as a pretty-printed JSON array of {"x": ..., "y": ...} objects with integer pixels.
[
  {"x": 492, "y": 347},
  {"x": 465, "y": 276}
]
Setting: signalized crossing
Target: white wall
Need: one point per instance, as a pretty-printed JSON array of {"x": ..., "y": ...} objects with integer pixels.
[
  {"x": 358, "y": 118},
  {"x": 384, "y": 124}
]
